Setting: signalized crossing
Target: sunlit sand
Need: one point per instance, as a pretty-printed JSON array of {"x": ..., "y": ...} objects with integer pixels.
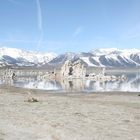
[{"x": 66, "y": 116}]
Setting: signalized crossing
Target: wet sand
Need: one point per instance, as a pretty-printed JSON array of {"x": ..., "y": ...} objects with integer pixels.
[{"x": 68, "y": 116}]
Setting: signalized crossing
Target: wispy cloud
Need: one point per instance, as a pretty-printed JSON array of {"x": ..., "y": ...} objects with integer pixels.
[
  {"x": 40, "y": 27},
  {"x": 131, "y": 33},
  {"x": 39, "y": 15},
  {"x": 16, "y": 2},
  {"x": 78, "y": 30},
  {"x": 18, "y": 41}
]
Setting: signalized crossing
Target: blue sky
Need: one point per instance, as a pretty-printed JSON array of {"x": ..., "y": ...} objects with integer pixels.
[{"x": 69, "y": 25}]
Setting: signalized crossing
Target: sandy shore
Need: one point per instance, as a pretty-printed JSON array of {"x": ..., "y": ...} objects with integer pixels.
[{"x": 98, "y": 116}]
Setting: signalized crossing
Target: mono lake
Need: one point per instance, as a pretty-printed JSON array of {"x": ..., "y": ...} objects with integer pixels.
[{"x": 131, "y": 84}]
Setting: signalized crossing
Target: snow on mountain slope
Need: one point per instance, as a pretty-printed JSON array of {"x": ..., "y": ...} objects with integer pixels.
[
  {"x": 110, "y": 57},
  {"x": 106, "y": 51},
  {"x": 87, "y": 61},
  {"x": 118, "y": 58},
  {"x": 12, "y": 56},
  {"x": 63, "y": 57}
]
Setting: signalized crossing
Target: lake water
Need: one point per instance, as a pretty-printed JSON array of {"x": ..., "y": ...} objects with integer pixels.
[{"x": 131, "y": 84}]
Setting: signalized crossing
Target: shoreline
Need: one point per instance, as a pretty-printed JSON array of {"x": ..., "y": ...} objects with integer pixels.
[
  {"x": 97, "y": 116},
  {"x": 63, "y": 92}
]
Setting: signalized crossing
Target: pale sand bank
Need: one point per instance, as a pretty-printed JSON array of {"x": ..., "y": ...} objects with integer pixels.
[{"x": 68, "y": 117}]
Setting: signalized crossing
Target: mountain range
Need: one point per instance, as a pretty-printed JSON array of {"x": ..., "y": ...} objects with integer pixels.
[
  {"x": 110, "y": 57},
  {"x": 17, "y": 57}
]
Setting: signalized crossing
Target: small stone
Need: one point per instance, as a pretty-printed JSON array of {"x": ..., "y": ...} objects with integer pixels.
[{"x": 32, "y": 100}]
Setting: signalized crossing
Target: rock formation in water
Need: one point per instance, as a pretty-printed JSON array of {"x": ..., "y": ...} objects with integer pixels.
[{"x": 75, "y": 69}]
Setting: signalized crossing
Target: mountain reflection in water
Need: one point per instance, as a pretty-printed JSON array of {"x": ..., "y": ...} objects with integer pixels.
[{"x": 132, "y": 84}]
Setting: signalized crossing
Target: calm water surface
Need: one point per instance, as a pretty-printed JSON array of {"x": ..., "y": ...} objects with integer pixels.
[{"x": 132, "y": 84}]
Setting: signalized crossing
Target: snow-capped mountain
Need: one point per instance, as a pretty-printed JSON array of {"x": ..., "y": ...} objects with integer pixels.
[
  {"x": 17, "y": 57},
  {"x": 110, "y": 57},
  {"x": 60, "y": 59}
]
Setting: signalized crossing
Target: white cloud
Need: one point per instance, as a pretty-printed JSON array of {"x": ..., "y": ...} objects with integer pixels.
[
  {"x": 40, "y": 27},
  {"x": 77, "y": 31},
  {"x": 39, "y": 15}
]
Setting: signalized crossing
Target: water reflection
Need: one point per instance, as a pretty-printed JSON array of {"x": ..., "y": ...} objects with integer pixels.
[
  {"x": 46, "y": 85},
  {"x": 131, "y": 84}
]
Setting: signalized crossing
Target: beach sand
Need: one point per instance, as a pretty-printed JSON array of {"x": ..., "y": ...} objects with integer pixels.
[{"x": 68, "y": 116}]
